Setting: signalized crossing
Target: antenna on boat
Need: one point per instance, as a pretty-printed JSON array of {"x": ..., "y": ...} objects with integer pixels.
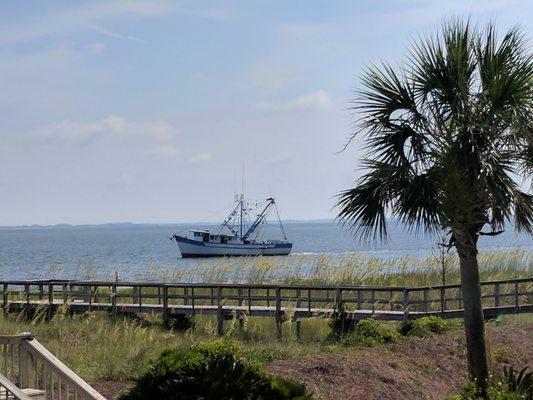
[{"x": 242, "y": 203}]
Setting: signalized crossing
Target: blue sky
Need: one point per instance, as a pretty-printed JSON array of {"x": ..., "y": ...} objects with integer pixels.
[{"x": 145, "y": 111}]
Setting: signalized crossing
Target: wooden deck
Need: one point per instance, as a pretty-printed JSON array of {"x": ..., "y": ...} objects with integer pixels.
[{"x": 227, "y": 301}]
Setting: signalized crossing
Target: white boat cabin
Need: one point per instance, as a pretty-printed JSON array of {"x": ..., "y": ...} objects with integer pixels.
[{"x": 205, "y": 236}]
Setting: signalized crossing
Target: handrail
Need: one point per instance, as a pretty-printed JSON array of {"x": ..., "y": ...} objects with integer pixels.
[
  {"x": 237, "y": 300},
  {"x": 33, "y": 366},
  {"x": 11, "y": 389},
  {"x": 36, "y": 348},
  {"x": 246, "y": 285}
]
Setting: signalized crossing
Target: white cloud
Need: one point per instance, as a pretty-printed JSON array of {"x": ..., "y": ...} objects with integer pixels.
[
  {"x": 317, "y": 100},
  {"x": 164, "y": 150},
  {"x": 281, "y": 159},
  {"x": 114, "y": 35},
  {"x": 76, "y": 19},
  {"x": 125, "y": 179},
  {"x": 113, "y": 125},
  {"x": 201, "y": 158},
  {"x": 97, "y": 48}
]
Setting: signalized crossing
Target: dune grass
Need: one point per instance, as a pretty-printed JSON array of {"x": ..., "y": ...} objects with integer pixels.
[{"x": 348, "y": 268}]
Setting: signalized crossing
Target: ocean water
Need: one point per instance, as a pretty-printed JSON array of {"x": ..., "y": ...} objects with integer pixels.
[{"x": 80, "y": 252}]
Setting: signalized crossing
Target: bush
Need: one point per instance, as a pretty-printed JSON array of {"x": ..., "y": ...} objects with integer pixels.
[
  {"x": 209, "y": 372},
  {"x": 369, "y": 332},
  {"x": 340, "y": 322},
  {"x": 424, "y": 327}
]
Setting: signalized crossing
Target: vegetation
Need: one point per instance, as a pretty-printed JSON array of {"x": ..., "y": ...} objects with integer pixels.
[
  {"x": 369, "y": 332},
  {"x": 210, "y": 371},
  {"x": 447, "y": 138},
  {"x": 424, "y": 327},
  {"x": 513, "y": 386},
  {"x": 350, "y": 269},
  {"x": 98, "y": 347}
]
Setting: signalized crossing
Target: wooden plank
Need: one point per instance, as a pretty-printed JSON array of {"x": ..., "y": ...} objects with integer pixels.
[
  {"x": 405, "y": 304},
  {"x": 278, "y": 313},
  {"x": 220, "y": 317}
]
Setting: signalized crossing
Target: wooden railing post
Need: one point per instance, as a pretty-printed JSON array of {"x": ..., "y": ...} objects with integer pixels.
[
  {"x": 426, "y": 302},
  {"x": 220, "y": 315},
  {"x": 442, "y": 300},
  {"x": 405, "y": 304},
  {"x": 139, "y": 293},
  {"x": 516, "y": 298},
  {"x": 193, "y": 310},
  {"x": 240, "y": 312},
  {"x": 249, "y": 301},
  {"x": 165, "y": 304},
  {"x": 50, "y": 309},
  {"x": 309, "y": 315},
  {"x": 298, "y": 318},
  {"x": 27, "y": 293},
  {"x": 65, "y": 294},
  {"x": 114, "y": 300},
  {"x": 496, "y": 295},
  {"x": 278, "y": 315},
  {"x": 26, "y": 362},
  {"x": 5, "y": 298}
]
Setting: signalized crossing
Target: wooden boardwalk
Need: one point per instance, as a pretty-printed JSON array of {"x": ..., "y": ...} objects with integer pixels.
[{"x": 227, "y": 301}]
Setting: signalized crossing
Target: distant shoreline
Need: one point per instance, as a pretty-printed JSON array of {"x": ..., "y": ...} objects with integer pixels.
[{"x": 112, "y": 225}]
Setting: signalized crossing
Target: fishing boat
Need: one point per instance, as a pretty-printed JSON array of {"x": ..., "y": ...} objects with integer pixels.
[{"x": 236, "y": 236}]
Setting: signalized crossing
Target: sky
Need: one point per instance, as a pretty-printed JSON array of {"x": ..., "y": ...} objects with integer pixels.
[{"x": 147, "y": 111}]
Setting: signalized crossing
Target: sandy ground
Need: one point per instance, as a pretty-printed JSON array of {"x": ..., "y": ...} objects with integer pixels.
[{"x": 410, "y": 369}]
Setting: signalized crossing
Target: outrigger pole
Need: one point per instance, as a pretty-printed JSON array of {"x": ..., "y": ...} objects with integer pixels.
[{"x": 259, "y": 219}]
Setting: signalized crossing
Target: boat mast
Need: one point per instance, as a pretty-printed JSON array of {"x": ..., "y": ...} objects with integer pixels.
[{"x": 242, "y": 202}]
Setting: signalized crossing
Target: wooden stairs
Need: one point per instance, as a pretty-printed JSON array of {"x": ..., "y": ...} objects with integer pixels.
[{"x": 30, "y": 372}]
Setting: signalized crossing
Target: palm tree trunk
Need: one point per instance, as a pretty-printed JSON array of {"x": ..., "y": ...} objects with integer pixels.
[{"x": 473, "y": 315}]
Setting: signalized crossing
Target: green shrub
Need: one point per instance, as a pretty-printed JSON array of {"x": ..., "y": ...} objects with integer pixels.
[
  {"x": 502, "y": 354},
  {"x": 369, "y": 332},
  {"x": 521, "y": 382},
  {"x": 208, "y": 372},
  {"x": 424, "y": 327},
  {"x": 340, "y": 322}
]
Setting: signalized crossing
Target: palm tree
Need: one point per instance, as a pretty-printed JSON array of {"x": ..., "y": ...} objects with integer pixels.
[{"x": 449, "y": 141}]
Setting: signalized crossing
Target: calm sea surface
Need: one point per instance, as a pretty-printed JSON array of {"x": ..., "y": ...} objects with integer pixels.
[{"x": 67, "y": 252}]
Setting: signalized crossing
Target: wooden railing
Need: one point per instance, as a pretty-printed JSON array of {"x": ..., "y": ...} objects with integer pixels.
[
  {"x": 26, "y": 363},
  {"x": 280, "y": 301},
  {"x": 9, "y": 391}
]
